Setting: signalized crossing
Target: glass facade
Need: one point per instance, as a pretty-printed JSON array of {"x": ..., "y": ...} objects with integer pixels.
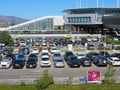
[
  {"x": 79, "y": 19},
  {"x": 44, "y": 24}
]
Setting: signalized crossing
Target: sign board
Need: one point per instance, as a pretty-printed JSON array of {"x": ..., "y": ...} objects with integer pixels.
[{"x": 94, "y": 76}]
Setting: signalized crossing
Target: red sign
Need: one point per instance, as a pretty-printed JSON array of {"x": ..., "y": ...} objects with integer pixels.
[{"x": 94, "y": 76}]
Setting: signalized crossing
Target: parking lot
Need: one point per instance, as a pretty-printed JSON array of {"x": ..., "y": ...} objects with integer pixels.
[{"x": 61, "y": 75}]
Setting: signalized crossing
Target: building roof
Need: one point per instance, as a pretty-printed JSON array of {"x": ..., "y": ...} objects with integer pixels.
[
  {"x": 32, "y": 21},
  {"x": 84, "y": 9}
]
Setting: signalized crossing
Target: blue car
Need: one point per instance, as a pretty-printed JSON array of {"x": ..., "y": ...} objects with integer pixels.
[
  {"x": 21, "y": 57},
  {"x": 26, "y": 51}
]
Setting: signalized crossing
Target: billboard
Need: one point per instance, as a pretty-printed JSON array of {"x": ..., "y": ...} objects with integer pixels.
[{"x": 94, "y": 76}]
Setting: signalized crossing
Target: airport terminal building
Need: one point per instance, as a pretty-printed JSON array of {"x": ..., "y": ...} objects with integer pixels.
[
  {"x": 92, "y": 20},
  {"x": 75, "y": 21},
  {"x": 38, "y": 26}
]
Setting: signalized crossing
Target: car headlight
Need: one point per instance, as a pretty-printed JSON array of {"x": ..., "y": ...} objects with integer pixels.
[{"x": 104, "y": 61}]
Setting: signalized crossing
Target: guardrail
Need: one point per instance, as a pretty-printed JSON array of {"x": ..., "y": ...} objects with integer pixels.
[{"x": 54, "y": 35}]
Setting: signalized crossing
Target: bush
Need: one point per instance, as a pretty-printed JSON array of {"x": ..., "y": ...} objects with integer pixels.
[
  {"x": 44, "y": 81},
  {"x": 117, "y": 48},
  {"x": 109, "y": 75}
]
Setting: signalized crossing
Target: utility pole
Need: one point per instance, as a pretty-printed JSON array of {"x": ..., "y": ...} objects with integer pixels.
[{"x": 97, "y": 3}]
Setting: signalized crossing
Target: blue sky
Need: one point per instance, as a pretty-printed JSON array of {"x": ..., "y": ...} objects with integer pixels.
[{"x": 32, "y": 9}]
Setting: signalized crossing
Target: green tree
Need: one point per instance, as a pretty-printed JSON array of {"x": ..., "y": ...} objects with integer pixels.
[
  {"x": 110, "y": 75},
  {"x": 44, "y": 81},
  {"x": 5, "y": 38}
]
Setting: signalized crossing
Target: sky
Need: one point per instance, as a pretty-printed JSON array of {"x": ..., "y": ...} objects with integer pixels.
[{"x": 32, "y": 9}]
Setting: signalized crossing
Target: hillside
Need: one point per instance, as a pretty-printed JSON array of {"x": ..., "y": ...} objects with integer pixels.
[{"x": 6, "y": 21}]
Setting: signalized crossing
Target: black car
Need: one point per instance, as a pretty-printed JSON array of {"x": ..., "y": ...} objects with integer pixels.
[
  {"x": 104, "y": 53},
  {"x": 73, "y": 61},
  {"x": 11, "y": 56},
  {"x": 18, "y": 64},
  {"x": 83, "y": 41},
  {"x": 0, "y": 57},
  {"x": 100, "y": 61},
  {"x": 92, "y": 55},
  {"x": 31, "y": 63},
  {"x": 67, "y": 54},
  {"x": 85, "y": 61},
  {"x": 33, "y": 56},
  {"x": 6, "y": 51}
]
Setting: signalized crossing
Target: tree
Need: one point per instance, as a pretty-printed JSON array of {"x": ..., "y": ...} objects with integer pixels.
[
  {"x": 5, "y": 38},
  {"x": 110, "y": 75},
  {"x": 44, "y": 81}
]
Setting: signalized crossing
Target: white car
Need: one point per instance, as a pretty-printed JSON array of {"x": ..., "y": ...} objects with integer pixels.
[
  {"x": 23, "y": 44},
  {"x": 80, "y": 55},
  {"x": 35, "y": 50},
  {"x": 94, "y": 39},
  {"x": 53, "y": 50},
  {"x": 115, "y": 61},
  {"x": 45, "y": 61},
  {"x": 6, "y": 62},
  {"x": 16, "y": 51},
  {"x": 44, "y": 50},
  {"x": 89, "y": 39}
]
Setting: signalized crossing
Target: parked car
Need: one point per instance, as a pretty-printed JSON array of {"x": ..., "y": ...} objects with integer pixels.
[
  {"x": 23, "y": 43},
  {"x": 32, "y": 55},
  {"x": 44, "y": 53},
  {"x": 67, "y": 54},
  {"x": 73, "y": 61},
  {"x": 92, "y": 55},
  {"x": 37, "y": 43},
  {"x": 51, "y": 44},
  {"x": 100, "y": 61},
  {"x": 35, "y": 50},
  {"x": 91, "y": 46},
  {"x": 0, "y": 57},
  {"x": 12, "y": 56},
  {"x": 6, "y": 62},
  {"x": 26, "y": 51},
  {"x": 104, "y": 53},
  {"x": 53, "y": 50},
  {"x": 58, "y": 62},
  {"x": 83, "y": 41},
  {"x": 6, "y": 51},
  {"x": 94, "y": 39},
  {"x": 115, "y": 55},
  {"x": 45, "y": 61},
  {"x": 16, "y": 44},
  {"x": 45, "y": 50},
  {"x": 18, "y": 64},
  {"x": 21, "y": 57},
  {"x": 56, "y": 55},
  {"x": 115, "y": 61},
  {"x": 80, "y": 55},
  {"x": 16, "y": 51},
  {"x": 85, "y": 61},
  {"x": 31, "y": 63}
]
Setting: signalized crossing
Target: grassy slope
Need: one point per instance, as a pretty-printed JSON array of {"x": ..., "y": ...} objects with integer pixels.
[{"x": 64, "y": 87}]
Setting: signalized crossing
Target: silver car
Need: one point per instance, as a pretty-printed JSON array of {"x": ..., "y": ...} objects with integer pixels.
[
  {"x": 6, "y": 62},
  {"x": 58, "y": 62}
]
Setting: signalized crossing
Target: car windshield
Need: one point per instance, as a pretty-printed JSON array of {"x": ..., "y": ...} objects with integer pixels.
[
  {"x": 21, "y": 56},
  {"x": 73, "y": 58},
  {"x": 45, "y": 59},
  {"x": 57, "y": 55},
  {"x": 32, "y": 55},
  {"x": 80, "y": 54},
  {"x": 44, "y": 53},
  {"x": 59, "y": 60}
]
